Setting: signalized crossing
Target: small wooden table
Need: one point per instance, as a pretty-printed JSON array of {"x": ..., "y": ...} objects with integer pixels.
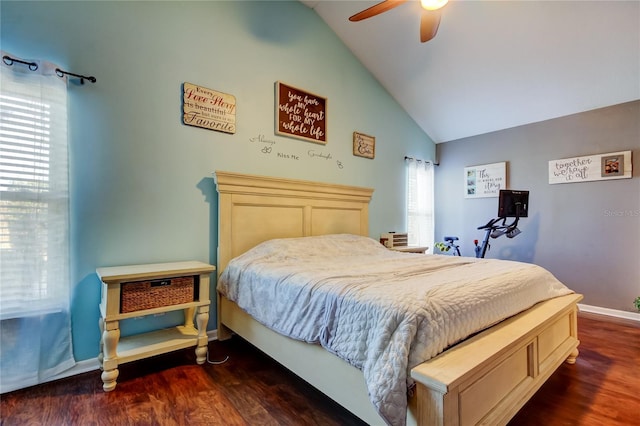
[{"x": 154, "y": 277}]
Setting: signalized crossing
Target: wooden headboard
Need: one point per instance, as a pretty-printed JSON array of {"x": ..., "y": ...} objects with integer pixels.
[{"x": 253, "y": 209}]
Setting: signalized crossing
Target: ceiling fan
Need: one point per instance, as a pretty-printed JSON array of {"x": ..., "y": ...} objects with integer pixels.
[{"x": 429, "y": 21}]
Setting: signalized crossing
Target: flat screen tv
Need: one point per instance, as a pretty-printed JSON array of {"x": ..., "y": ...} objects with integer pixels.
[{"x": 513, "y": 203}]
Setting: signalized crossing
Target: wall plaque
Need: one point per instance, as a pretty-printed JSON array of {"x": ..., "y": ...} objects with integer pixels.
[
  {"x": 364, "y": 145},
  {"x": 614, "y": 165},
  {"x": 300, "y": 114},
  {"x": 208, "y": 108},
  {"x": 485, "y": 181}
]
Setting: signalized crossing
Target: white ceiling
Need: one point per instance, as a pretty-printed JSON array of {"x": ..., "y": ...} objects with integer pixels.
[{"x": 496, "y": 64}]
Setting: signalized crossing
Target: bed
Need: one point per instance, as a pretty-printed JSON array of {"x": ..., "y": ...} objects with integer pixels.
[{"x": 484, "y": 379}]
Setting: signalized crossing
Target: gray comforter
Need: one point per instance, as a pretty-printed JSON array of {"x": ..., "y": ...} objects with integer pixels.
[{"x": 383, "y": 312}]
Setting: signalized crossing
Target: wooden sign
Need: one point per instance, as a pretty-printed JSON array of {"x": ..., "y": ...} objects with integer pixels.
[
  {"x": 300, "y": 114},
  {"x": 208, "y": 108},
  {"x": 485, "y": 181},
  {"x": 614, "y": 165},
  {"x": 364, "y": 145}
]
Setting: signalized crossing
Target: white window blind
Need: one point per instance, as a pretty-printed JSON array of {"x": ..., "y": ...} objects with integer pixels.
[
  {"x": 420, "y": 216},
  {"x": 34, "y": 196}
]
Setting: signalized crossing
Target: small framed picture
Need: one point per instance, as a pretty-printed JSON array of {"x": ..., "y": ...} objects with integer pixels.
[
  {"x": 612, "y": 165},
  {"x": 364, "y": 145},
  {"x": 471, "y": 182}
]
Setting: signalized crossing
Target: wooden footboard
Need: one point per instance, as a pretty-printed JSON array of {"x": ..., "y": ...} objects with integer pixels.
[{"x": 486, "y": 379}]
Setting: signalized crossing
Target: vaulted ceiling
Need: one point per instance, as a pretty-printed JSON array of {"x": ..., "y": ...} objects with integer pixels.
[{"x": 496, "y": 64}]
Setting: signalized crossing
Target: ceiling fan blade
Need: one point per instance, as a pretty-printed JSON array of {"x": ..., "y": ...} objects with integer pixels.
[
  {"x": 376, "y": 9},
  {"x": 429, "y": 23}
]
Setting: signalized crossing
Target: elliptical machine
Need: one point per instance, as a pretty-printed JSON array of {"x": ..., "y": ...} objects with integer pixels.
[
  {"x": 510, "y": 204},
  {"x": 494, "y": 229}
]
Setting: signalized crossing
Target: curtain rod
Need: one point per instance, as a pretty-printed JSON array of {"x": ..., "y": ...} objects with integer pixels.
[
  {"x": 34, "y": 66},
  {"x": 419, "y": 160}
]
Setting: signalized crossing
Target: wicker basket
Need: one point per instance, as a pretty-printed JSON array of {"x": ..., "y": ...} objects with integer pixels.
[{"x": 141, "y": 295}]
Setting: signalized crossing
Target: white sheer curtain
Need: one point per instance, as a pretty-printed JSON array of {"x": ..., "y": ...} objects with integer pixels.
[
  {"x": 35, "y": 326},
  {"x": 420, "y": 223}
]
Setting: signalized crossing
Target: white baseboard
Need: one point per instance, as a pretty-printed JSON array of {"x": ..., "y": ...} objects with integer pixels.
[{"x": 633, "y": 316}]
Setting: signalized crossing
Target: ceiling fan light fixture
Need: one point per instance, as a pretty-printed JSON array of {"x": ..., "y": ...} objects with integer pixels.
[{"x": 433, "y": 4}]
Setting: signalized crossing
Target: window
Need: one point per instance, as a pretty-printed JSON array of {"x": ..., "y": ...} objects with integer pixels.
[{"x": 420, "y": 223}]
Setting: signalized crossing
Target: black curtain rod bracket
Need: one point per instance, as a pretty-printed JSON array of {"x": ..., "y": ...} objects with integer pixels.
[
  {"x": 34, "y": 67},
  {"x": 82, "y": 78},
  {"x": 420, "y": 161},
  {"x": 9, "y": 61}
]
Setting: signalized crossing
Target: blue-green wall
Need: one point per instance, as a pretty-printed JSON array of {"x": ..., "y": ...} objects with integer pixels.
[{"x": 141, "y": 182}]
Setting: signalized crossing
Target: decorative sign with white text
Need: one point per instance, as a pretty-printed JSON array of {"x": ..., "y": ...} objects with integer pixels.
[
  {"x": 208, "y": 109},
  {"x": 614, "y": 165},
  {"x": 300, "y": 114},
  {"x": 485, "y": 181}
]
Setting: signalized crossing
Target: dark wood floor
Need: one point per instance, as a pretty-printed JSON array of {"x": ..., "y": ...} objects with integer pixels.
[{"x": 602, "y": 388}]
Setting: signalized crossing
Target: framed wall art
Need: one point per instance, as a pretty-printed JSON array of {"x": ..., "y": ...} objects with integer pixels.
[
  {"x": 208, "y": 109},
  {"x": 364, "y": 145},
  {"x": 300, "y": 114},
  {"x": 613, "y": 165},
  {"x": 485, "y": 180}
]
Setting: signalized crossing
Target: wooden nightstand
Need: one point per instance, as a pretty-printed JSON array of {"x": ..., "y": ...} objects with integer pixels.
[
  {"x": 410, "y": 249},
  {"x": 139, "y": 290}
]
